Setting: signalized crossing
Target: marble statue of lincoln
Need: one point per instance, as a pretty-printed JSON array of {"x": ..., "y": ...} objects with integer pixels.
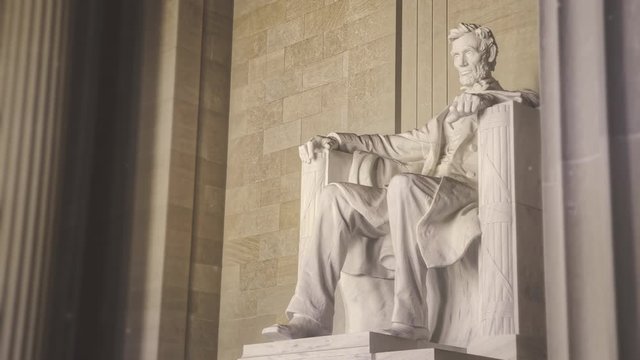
[{"x": 430, "y": 210}]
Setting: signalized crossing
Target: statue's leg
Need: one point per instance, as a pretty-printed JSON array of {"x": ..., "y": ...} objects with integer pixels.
[
  {"x": 408, "y": 197},
  {"x": 337, "y": 223}
]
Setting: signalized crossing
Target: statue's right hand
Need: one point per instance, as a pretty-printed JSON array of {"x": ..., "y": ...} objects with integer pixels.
[{"x": 316, "y": 145}]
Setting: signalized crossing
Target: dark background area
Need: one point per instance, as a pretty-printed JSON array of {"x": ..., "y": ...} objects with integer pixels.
[{"x": 88, "y": 290}]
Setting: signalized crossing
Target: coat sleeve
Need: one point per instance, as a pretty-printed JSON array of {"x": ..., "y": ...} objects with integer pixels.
[{"x": 406, "y": 147}]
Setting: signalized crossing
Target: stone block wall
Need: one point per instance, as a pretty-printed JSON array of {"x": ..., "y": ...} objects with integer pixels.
[{"x": 299, "y": 68}]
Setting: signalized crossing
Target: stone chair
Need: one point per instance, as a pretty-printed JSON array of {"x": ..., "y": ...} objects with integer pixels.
[{"x": 491, "y": 302}]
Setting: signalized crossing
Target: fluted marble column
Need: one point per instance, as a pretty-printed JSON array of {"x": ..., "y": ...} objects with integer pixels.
[
  {"x": 32, "y": 58},
  {"x": 577, "y": 212}
]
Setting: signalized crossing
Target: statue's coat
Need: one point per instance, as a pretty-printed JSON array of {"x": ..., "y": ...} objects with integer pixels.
[{"x": 451, "y": 223}]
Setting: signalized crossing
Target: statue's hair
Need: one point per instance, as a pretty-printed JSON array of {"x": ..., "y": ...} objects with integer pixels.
[{"x": 487, "y": 41}]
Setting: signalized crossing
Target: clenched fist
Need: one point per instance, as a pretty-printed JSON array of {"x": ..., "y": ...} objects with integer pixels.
[
  {"x": 467, "y": 104},
  {"x": 315, "y": 145}
]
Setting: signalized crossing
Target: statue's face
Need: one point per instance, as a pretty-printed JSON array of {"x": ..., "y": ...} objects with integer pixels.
[{"x": 471, "y": 64}]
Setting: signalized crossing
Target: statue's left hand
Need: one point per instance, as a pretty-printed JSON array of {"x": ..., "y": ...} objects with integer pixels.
[
  {"x": 467, "y": 104},
  {"x": 316, "y": 144}
]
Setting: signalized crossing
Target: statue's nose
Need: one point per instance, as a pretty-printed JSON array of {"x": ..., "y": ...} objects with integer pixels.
[{"x": 460, "y": 62}]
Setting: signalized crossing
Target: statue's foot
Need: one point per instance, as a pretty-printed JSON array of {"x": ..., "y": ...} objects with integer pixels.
[
  {"x": 277, "y": 332},
  {"x": 300, "y": 326},
  {"x": 407, "y": 331}
]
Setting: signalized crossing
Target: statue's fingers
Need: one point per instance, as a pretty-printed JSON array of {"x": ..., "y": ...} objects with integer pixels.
[
  {"x": 465, "y": 103},
  {"x": 487, "y": 101},
  {"x": 475, "y": 103},
  {"x": 460, "y": 104},
  {"x": 302, "y": 152},
  {"x": 310, "y": 150},
  {"x": 468, "y": 104}
]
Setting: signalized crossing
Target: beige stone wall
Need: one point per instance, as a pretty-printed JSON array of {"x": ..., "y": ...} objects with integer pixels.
[{"x": 299, "y": 68}]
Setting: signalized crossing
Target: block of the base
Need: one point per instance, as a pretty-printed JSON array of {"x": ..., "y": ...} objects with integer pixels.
[
  {"x": 509, "y": 347},
  {"x": 428, "y": 354},
  {"x": 348, "y": 344},
  {"x": 360, "y": 353}
]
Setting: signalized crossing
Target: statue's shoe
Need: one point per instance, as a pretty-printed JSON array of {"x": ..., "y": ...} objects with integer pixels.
[
  {"x": 277, "y": 332},
  {"x": 300, "y": 326},
  {"x": 407, "y": 332}
]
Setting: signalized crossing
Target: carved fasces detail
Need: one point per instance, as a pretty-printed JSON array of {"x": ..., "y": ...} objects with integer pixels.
[{"x": 496, "y": 204}]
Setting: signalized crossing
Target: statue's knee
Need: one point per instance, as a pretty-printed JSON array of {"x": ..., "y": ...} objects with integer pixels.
[
  {"x": 329, "y": 195},
  {"x": 400, "y": 184}
]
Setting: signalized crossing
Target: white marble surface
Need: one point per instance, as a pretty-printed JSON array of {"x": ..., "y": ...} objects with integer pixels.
[
  {"x": 520, "y": 347},
  {"x": 509, "y": 137},
  {"x": 362, "y": 296},
  {"x": 364, "y": 345},
  {"x": 427, "y": 354},
  {"x": 370, "y": 341}
]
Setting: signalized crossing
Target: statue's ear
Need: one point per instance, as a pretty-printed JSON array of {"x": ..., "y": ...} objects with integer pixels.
[{"x": 493, "y": 52}]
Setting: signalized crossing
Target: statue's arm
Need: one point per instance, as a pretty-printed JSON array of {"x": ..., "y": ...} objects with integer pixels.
[{"x": 405, "y": 147}]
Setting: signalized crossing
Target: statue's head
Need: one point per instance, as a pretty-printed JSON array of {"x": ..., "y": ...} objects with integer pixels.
[{"x": 474, "y": 51}]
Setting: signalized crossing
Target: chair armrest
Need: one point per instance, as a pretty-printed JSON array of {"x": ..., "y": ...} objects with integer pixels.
[{"x": 327, "y": 167}]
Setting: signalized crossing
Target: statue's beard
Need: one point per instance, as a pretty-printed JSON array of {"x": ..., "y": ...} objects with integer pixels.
[{"x": 478, "y": 72}]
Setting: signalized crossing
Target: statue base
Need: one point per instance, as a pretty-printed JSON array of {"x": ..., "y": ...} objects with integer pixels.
[
  {"x": 359, "y": 346},
  {"x": 510, "y": 347}
]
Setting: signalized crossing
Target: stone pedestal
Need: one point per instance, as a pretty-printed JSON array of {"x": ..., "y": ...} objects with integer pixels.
[{"x": 358, "y": 346}]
